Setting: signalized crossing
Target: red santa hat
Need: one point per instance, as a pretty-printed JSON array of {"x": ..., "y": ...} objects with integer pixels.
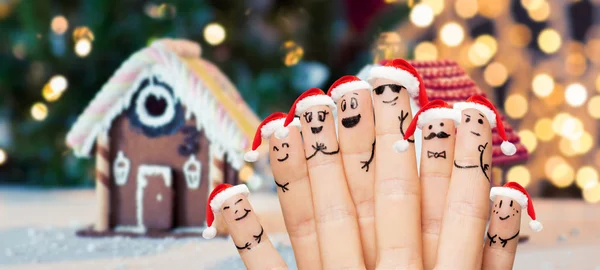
[
  {"x": 487, "y": 108},
  {"x": 217, "y": 197},
  {"x": 273, "y": 124},
  {"x": 433, "y": 110},
  {"x": 402, "y": 72},
  {"x": 312, "y": 97},
  {"x": 518, "y": 193},
  {"x": 345, "y": 85}
]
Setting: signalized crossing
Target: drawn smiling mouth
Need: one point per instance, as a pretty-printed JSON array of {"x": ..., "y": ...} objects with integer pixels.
[
  {"x": 352, "y": 121},
  {"x": 475, "y": 133},
  {"x": 390, "y": 101},
  {"x": 245, "y": 214},
  {"x": 283, "y": 159},
  {"x": 316, "y": 130},
  {"x": 504, "y": 218}
]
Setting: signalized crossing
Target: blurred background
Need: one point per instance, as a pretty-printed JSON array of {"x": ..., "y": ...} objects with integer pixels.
[{"x": 537, "y": 59}]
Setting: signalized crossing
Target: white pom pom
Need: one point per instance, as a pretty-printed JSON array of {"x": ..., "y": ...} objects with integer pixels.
[
  {"x": 508, "y": 148},
  {"x": 209, "y": 233},
  {"x": 282, "y": 133},
  {"x": 535, "y": 225},
  {"x": 251, "y": 156},
  {"x": 401, "y": 146}
]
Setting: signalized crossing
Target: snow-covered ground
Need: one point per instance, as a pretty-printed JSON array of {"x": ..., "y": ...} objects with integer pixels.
[{"x": 37, "y": 231}]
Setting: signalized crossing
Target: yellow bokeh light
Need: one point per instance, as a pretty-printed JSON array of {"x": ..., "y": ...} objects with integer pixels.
[
  {"x": 587, "y": 176},
  {"x": 426, "y": 51},
  {"x": 549, "y": 40},
  {"x": 492, "y": 9},
  {"x": 516, "y": 106},
  {"x": 245, "y": 173},
  {"x": 3, "y": 156},
  {"x": 39, "y": 111},
  {"x": 519, "y": 174},
  {"x": 293, "y": 53},
  {"x": 489, "y": 41},
  {"x": 541, "y": 13},
  {"x": 214, "y": 34},
  {"x": 452, "y": 34},
  {"x": 421, "y": 15},
  {"x": 59, "y": 24},
  {"x": 576, "y": 94},
  {"x": 592, "y": 49},
  {"x": 436, "y": 5},
  {"x": 571, "y": 128},
  {"x": 594, "y": 107},
  {"x": 592, "y": 193},
  {"x": 542, "y": 85},
  {"x": 83, "y": 32},
  {"x": 575, "y": 63},
  {"x": 583, "y": 144},
  {"x": 562, "y": 175},
  {"x": 58, "y": 83},
  {"x": 532, "y": 4},
  {"x": 466, "y": 8},
  {"x": 528, "y": 139},
  {"x": 83, "y": 47},
  {"x": 559, "y": 120},
  {"x": 49, "y": 94},
  {"x": 543, "y": 129},
  {"x": 565, "y": 147},
  {"x": 551, "y": 163},
  {"x": 598, "y": 84},
  {"x": 495, "y": 74},
  {"x": 519, "y": 35},
  {"x": 479, "y": 54}
]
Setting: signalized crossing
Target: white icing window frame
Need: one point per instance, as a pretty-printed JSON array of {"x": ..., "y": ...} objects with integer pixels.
[{"x": 159, "y": 92}]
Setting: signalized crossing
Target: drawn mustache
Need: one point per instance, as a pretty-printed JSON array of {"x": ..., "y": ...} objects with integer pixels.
[{"x": 441, "y": 135}]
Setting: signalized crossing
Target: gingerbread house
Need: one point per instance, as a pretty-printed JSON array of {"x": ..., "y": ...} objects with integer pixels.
[{"x": 165, "y": 129}]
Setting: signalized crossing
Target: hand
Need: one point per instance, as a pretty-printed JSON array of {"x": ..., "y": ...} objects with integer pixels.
[{"x": 339, "y": 215}]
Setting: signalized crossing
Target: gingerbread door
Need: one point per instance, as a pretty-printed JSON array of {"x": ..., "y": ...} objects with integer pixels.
[{"x": 154, "y": 197}]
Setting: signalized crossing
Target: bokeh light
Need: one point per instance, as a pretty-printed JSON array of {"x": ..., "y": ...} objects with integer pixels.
[
  {"x": 519, "y": 174},
  {"x": 293, "y": 53},
  {"x": 495, "y": 74},
  {"x": 492, "y": 9},
  {"x": 594, "y": 107},
  {"x": 83, "y": 47},
  {"x": 576, "y": 94},
  {"x": 528, "y": 139},
  {"x": 542, "y": 85},
  {"x": 587, "y": 176},
  {"x": 479, "y": 54},
  {"x": 562, "y": 175},
  {"x": 532, "y": 4},
  {"x": 571, "y": 128},
  {"x": 558, "y": 121},
  {"x": 541, "y": 13},
  {"x": 551, "y": 163},
  {"x": 452, "y": 34},
  {"x": 516, "y": 106},
  {"x": 489, "y": 41},
  {"x": 83, "y": 32},
  {"x": 598, "y": 83},
  {"x": 565, "y": 147},
  {"x": 421, "y": 15},
  {"x": 591, "y": 194},
  {"x": 426, "y": 51},
  {"x": 436, "y": 5},
  {"x": 549, "y": 41},
  {"x": 575, "y": 63},
  {"x": 583, "y": 144},
  {"x": 59, "y": 24},
  {"x": 519, "y": 35},
  {"x": 245, "y": 173},
  {"x": 466, "y": 8},
  {"x": 214, "y": 34},
  {"x": 543, "y": 129},
  {"x": 39, "y": 111},
  {"x": 58, "y": 83},
  {"x": 3, "y": 156}
]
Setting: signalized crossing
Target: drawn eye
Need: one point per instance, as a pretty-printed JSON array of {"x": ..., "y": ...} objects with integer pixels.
[
  {"x": 343, "y": 105},
  {"x": 308, "y": 117},
  {"x": 322, "y": 115},
  {"x": 468, "y": 120},
  {"x": 441, "y": 124},
  {"x": 511, "y": 203},
  {"x": 275, "y": 148},
  {"x": 286, "y": 145},
  {"x": 430, "y": 126},
  {"x": 379, "y": 90},
  {"x": 480, "y": 121},
  {"x": 353, "y": 103},
  {"x": 396, "y": 88},
  {"x": 226, "y": 207}
]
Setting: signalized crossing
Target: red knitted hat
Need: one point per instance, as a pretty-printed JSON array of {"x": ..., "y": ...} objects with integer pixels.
[
  {"x": 217, "y": 197},
  {"x": 273, "y": 124},
  {"x": 402, "y": 72},
  {"x": 518, "y": 193},
  {"x": 433, "y": 110},
  {"x": 312, "y": 97},
  {"x": 345, "y": 85},
  {"x": 489, "y": 110}
]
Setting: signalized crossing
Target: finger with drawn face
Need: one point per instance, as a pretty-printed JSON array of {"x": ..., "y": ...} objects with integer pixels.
[
  {"x": 437, "y": 120},
  {"x": 397, "y": 188},
  {"x": 356, "y": 132},
  {"x": 509, "y": 202},
  {"x": 230, "y": 204},
  {"x": 467, "y": 205},
  {"x": 335, "y": 216}
]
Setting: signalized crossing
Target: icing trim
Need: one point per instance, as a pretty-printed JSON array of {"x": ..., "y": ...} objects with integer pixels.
[
  {"x": 142, "y": 183},
  {"x": 121, "y": 173},
  {"x": 192, "y": 178}
]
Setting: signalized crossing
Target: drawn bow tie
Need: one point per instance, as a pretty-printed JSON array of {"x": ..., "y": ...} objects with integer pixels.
[{"x": 436, "y": 154}]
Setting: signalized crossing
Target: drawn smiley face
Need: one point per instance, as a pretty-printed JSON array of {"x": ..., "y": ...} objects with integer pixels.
[
  {"x": 505, "y": 208},
  {"x": 284, "y": 149},
  {"x": 389, "y": 93},
  {"x": 441, "y": 129},
  {"x": 315, "y": 118},
  {"x": 475, "y": 121},
  {"x": 236, "y": 208},
  {"x": 348, "y": 107}
]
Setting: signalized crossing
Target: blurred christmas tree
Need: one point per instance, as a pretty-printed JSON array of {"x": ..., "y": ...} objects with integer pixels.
[{"x": 55, "y": 55}]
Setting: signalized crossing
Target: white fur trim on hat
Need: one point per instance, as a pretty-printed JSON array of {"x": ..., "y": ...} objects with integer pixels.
[
  {"x": 344, "y": 88},
  {"x": 251, "y": 156},
  {"x": 268, "y": 129},
  {"x": 315, "y": 100},
  {"x": 219, "y": 199},
  {"x": 283, "y": 132},
  {"x": 510, "y": 193},
  {"x": 508, "y": 148},
  {"x": 209, "y": 233},
  {"x": 401, "y": 146},
  {"x": 403, "y": 77},
  {"x": 489, "y": 114},
  {"x": 438, "y": 114},
  {"x": 535, "y": 225}
]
